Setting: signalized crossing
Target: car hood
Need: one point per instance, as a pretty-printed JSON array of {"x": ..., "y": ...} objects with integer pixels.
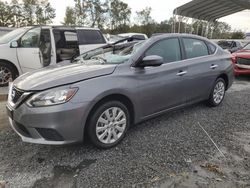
[{"x": 61, "y": 74}]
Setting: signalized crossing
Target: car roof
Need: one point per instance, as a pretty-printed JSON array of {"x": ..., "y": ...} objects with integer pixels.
[
  {"x": 61, "y": 27},
  {"x": 165, "y": 35}
]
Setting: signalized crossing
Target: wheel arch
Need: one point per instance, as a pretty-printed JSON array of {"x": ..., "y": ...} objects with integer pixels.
[
  {"x": 225, "y": 78},
  {"x": 12, "y": 65},
  {"x": 112, "y": 97}
]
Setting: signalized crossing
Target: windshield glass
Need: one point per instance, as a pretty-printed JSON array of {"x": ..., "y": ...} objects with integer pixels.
[
  {"x": 12, "y": 35},
  {"x": 110, "y": 54},
  {"x": 247, "y": 47}
]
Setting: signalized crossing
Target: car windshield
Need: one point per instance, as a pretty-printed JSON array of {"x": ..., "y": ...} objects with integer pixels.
[
  {"x": 12, "y": 35},
  {"x": 110, "y": 54},
  {"x": 247, "y": 47}
]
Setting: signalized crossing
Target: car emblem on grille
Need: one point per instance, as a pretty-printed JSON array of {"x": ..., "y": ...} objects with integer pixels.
[{"x": 13, "y": 94}]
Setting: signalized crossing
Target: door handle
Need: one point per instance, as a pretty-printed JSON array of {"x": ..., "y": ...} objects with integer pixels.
[
  {"x": 213, "y": 66},
  {"x": 181, "y": 73}
]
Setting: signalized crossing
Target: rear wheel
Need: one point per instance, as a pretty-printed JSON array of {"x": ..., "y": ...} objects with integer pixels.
[
  {"x": 7, "y": 74},
  {"x": 108, "y": 124},
  {"x": 218, "y": 92}
]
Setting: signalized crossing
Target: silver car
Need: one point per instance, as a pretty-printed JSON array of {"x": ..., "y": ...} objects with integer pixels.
[{"x": 106, "y": 90}]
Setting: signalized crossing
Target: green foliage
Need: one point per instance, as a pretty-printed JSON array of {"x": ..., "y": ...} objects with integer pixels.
[
  {"x": 238, "y": 35},
  {"x": 29, "y": 12},
  {"x": 119, "y": 13},
  {"x": 143, "y": 17},
  {"x": 70, "y": 17}
]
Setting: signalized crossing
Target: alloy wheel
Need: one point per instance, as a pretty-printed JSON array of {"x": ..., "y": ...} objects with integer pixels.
[
  {"x": 5, "y": 75},
  {"x": 219, "y": 91},
  {"x": 111, "y": 125}
]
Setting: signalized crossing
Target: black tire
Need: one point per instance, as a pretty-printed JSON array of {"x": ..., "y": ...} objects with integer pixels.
[
  {"x": 92, "y": 123},
  {"x": 4, "y": 80},
  {"x": 212, "y": 100}
]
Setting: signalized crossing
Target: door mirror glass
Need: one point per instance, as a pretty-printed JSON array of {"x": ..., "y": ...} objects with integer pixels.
[
  {"x": 151, "y": 61},
  {"x": 14, "y": 44}
]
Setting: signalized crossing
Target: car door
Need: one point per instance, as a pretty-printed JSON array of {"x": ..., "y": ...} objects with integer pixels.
[
  {"x": 162, "y": 87},
  {"x": 202, "y": 68},
  {"x": 28, "y": 52}
]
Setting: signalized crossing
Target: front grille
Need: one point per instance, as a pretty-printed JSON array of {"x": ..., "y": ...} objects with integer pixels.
[
  {"x": 243, "y": 61},
  {"x": 50, "y": 134},
  {"x": 16, "y": 94}
]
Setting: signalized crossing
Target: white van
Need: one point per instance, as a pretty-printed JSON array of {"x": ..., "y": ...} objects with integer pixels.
[{"x": 29, "y": 48}]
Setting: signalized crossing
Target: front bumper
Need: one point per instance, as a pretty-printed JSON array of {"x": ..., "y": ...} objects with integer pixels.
[
  {"x": 53, "y": 125},
  {"x": 241, "y": 71}
]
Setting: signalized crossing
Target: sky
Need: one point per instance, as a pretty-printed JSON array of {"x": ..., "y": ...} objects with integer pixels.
[{"x": 161, "y": 10}]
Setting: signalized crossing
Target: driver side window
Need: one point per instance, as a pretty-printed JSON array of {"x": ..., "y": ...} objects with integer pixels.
[
  {"x": 168, "y": 49},
  {"x": 31, "y": 38}
]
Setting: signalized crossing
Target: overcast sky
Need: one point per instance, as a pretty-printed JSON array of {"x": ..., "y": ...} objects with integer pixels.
[{"x": 161, "y": 10}]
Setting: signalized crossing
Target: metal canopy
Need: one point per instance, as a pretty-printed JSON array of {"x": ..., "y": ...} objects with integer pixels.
[{"x": 211, "y": 10}]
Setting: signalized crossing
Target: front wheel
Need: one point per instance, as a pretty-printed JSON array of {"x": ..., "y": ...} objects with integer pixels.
[
  {"x": 218, "y": 92},
  {"x": 108, "y": 124},
  {"x": 7, "y": 74}
]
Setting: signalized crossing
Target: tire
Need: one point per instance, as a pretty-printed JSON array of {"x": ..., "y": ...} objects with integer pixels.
[
  {"x": 111, "y": 131},
  {"x": 7, "y": 73},
  {"x": 218, "y": 93}
]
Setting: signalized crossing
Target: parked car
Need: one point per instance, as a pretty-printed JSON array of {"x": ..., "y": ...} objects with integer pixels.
[
  {"x": 241, "y": 61},
  {"x": 231, "y": 46},
  {"x": 29, "y": 48},
  {"x": 104, "y": 91}
]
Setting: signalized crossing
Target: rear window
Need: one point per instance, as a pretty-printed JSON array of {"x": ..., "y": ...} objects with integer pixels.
[
  {"x": 212, "y": 48},
  {"x": 90, "y": 37},
  {"x": 195, "y": 48},
  {"x": 70, "y": 36}
]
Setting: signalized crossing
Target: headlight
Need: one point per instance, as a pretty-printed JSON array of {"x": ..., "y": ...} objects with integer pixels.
[{"x": 51, "y": 97}]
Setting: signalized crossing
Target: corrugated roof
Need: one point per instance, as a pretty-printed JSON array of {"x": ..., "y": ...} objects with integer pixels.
[{"x": 211, "y": 10}]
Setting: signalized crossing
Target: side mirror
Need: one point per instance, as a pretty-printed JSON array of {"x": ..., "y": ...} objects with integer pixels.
[
  {"x": 151, "y": 61},
  {"x": 14, "y": 44}
]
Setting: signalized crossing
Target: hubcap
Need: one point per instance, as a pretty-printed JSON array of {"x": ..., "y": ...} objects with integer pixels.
[
  {"x": 111, "y": 125},
  {"x": 5, "y": 75},
  {"x": 219, "y": 92}
]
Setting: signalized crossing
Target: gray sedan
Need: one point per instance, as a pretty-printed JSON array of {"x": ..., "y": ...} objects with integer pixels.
[{"x": 106, "y": 90}]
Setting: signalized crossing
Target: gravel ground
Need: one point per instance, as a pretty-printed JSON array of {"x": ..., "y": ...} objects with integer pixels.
[{"x": 169, "y": 151}]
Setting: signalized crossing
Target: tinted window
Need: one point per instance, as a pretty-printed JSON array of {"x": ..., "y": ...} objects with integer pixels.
[
  {"x": 70, "y": 36},
  {"x": 168, "y": 49},
  {"x": 212, "y": 48},
  {"x": 90, "y": 37},
  {"x": 195, "y": 47},
  {"x": 31, "y": 38}
]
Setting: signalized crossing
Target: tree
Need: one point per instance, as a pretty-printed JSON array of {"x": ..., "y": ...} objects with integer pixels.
[
  {"x": 80, "y": 12},
  {"x": 96, "y": 11},
  {"x": 144, "y": 16},
  {"x": 48, "y": 13},
  {"x": 70, "y": 17},
  {"x": 6, "y": 15},
  {"x": 17, "y": 14},
  {"x": 238, "y": 35},
  {"x": 119, "y": 13},
  {"x": 29, "y": 11}
]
